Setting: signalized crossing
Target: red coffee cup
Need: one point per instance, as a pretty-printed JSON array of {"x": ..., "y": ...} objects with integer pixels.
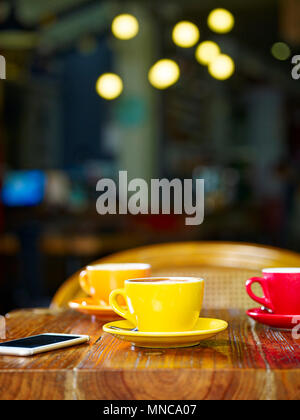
[{"x": 281, "y": 288}]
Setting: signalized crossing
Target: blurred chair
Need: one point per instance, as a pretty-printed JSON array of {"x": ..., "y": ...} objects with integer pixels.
[
  {"x": 224, "y": 266},
  {"x": 74, "y": 250},
  {"x": 86, "y": 245},
  {"x": 9, "y": 245}
]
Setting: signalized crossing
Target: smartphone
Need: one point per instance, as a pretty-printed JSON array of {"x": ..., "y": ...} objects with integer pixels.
[{"x": 40, "y": 343}]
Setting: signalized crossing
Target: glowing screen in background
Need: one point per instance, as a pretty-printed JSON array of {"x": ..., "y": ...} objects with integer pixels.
[{"x": 23, "y": 188}]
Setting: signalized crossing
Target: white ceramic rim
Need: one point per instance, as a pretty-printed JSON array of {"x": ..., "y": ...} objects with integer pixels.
[
  {"x": 166, "y": 280},
  {"x": 118, "y": 266},
  {"x": 286, "y": 270}
]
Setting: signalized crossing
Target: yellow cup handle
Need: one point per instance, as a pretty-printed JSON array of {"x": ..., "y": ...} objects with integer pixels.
[
  {"x": 113, "y": 302},
  {"x": 84, "y": 282}
]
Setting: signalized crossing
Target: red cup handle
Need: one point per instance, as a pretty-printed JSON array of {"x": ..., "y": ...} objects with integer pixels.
[{"x": 265, "y": 300}]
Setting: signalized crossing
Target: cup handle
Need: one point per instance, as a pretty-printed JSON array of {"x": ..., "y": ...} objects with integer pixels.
[
  {"x": 84, "y": 282},
  {"x": 265, "y": 300},
  {"x": 113, "y": 302}
]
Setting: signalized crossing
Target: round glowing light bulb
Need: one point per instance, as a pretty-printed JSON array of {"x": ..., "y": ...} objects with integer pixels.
[
  {"x": 222, "y": 67},
  {"x": 125, "y": 26},
  {"x": 206, "y": 52},
  {"x": 164, "y": 73},
  {"x": 109, "y": 86},
  {"x": 220, "y": 21},
  {"x": 281, "y": 51},
  {"x": 185, "y": 34}
]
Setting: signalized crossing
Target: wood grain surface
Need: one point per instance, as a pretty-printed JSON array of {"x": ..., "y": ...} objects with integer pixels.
[{"x": 248, "y": 361}]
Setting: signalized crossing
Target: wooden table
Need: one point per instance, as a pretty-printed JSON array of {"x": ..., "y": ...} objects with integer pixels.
[{"x": 248, "y": 361}]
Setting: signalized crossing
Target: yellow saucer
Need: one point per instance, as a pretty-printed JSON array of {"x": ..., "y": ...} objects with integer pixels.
[
  {"x": 91, "y": 306},
  {"x": 204, "y": 329}
]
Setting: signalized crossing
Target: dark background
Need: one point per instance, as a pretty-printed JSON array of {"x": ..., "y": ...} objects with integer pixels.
[{"x": 241, "y": 135}]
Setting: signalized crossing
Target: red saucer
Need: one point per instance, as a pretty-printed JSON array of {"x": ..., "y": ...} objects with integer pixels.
[{"x": 273, "y": 320}]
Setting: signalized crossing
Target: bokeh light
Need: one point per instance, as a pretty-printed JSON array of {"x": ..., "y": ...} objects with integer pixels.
[
  {"x": 109, "y": 86},
  {"x": 281, "y": 51},
  {"x": 222, "y": 67},
  {"x": 164, "y": 73},
  {"x": 220, "y": 21},
  {"x": 206, "y": 52},
  {"x": 125, "y": 26},
  {"x": 185, "y": 34}
]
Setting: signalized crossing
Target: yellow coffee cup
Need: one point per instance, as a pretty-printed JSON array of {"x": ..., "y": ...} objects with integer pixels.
[
  {"x": 100, "y": 279},
  {"x": 160, "y": 304}
]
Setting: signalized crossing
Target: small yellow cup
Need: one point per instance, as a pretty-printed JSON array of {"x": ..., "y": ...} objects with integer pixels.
[
  {"x": 100, "y": 279},
  {"x": 160, "y": 304}
]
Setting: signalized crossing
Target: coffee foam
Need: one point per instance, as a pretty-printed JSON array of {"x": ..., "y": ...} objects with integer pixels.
[{"x": 165, "y": 280}]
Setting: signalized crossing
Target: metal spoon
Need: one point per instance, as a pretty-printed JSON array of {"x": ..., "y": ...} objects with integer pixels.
[{"x": 127, "y": 329}]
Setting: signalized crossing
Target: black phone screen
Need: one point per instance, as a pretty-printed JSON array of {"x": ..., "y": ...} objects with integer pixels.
[{"x": 38, "y": 341}]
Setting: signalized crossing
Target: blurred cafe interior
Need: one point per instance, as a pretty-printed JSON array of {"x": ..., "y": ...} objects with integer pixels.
[{"x": 174, "y": 90}]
